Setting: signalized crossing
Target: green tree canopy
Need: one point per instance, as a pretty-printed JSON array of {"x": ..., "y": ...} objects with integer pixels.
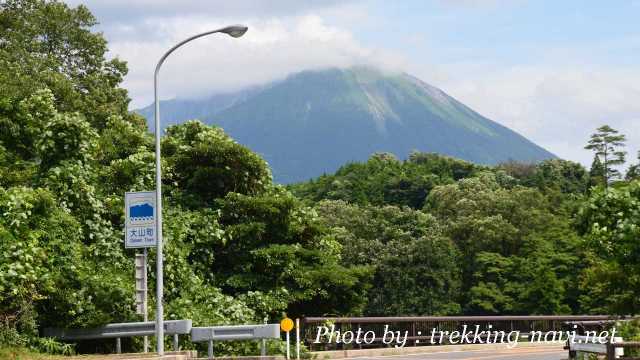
[
  {"x": 610, "y": 223},
  {"x": 46, "y": 44},
  {"x": 416, "y": 267},
  {"x": 205, "y": 164},
  {"x": 607, "y": 146},
  {"x": 505, "y": 234},
  {"x": 385, "y": 180},
  {"x": 633, "y": 173}
]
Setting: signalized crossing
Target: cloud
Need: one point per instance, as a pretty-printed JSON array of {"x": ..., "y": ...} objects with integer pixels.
[
  {"x": 478, "y": 3},
  {"x": 132, "y": 10},
  {"x": 270, "y": 50},
  {"x": 557, "y": 106}
]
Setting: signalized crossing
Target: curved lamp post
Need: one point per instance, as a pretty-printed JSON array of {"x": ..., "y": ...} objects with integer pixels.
[{"x": 233, "y": 31}]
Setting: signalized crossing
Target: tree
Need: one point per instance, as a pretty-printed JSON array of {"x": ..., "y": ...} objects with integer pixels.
[
  {"x": 501, "y": 232},
  {"x": 610, "y": 223},
  {"x": 275, "y": 245},
  {"x": 69, "y": 149},
  {"x": 430, "y": 280},
  {"x": 397, "y": 240},
  {"x": 48, "y": 276},
  {"x": 596, "y": 173},
  {"x": 384, "y": 180},
  {"x": 633, "y": 172},
  {"x": 61, "y": 262},
  {"x": 565, "y": 176},
  {"x": 606, "y": 143},
  {"x": 46, "y": 44},
  {"x": 206, "y": 164},
  {"x": 519, "y": 170}
]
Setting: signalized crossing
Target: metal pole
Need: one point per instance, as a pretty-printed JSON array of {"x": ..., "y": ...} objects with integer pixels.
[
  {"x": 298, "y": 339},
  {"x": 210, "y": 349},
  {"x": 234, "y": 31},
  {"x": 176, "y": 342},
  {"x": 118, "y": 346},
  {"x": 159, "y": 265},
  {"x": 146, "y": 309}
]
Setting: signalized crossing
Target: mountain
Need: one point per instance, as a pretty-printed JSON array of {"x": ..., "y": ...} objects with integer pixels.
[
  {"x": 313, "y": 122},
  {"x": 176, "y": 111}
]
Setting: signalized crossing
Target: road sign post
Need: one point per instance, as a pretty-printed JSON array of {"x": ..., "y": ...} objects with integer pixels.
[
  {"x": 140, "y": 232},
  {"x": 141, "y": 291},
  {"x": 141, "y": 284}
]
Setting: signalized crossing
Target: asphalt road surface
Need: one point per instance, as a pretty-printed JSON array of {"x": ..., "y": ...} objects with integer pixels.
[{"x": 544, "y": 353}]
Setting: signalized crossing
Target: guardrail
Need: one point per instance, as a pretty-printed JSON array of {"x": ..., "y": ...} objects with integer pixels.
[
  {"x": 612, "y": 349},
  {"x": 588, "y": 344},
  {"x": 171, "y": 327},
  {"x": 419, "y": 328},
  {"x": 122, "y": 330},
  {"x": 235, "y": 332}
]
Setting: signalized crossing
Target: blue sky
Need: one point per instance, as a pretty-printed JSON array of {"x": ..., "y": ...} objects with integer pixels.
[
  {"x": 508, "y": 32},
  {"x": 551, "y": 70}
]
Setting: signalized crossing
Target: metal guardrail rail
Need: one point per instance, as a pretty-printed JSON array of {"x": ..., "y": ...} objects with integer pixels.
[
  {"x": 419, "y": 328},
  {"x": 122, "y": 330},
  {"x": 171, "y": 327},
  {"x": 589, "y": 344},
  {"x": 611, "y": 349},
  {"x": 235, "y": 332}
]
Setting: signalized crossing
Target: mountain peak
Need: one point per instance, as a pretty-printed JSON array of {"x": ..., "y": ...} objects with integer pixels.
[{"x": 314, "y": 121}]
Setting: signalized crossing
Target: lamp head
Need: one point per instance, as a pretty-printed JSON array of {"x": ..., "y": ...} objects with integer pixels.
[{"x": 235, "y": 30}]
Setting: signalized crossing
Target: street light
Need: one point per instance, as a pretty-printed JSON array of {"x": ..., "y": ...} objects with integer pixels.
[{"x": 234, "y": 31}]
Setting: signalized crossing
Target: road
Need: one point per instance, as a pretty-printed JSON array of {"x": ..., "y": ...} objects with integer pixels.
[{"x": 544, "y": 353}]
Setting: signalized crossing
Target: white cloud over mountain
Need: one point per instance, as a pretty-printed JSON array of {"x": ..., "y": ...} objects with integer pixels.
[
  {"x": 556, "y": 106},
  {"x": 271, "y": 49},
  {"x": 557, "y": 101}
]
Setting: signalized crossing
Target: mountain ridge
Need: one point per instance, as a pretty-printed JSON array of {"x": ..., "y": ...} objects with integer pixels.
[{"x": 314, "y": 121}]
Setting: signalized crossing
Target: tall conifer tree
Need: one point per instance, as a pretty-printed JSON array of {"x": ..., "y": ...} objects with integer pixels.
[{"x": 607, "y": 144}]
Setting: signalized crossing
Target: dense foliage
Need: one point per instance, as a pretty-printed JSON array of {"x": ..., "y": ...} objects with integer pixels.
[
  {"x": 512, "y": 239},
  {"x": 238, "y": 248},
  {"x": 610, "y": 224},
  {"x": 430, "y": 235},
  {"x": 385, "y": 180},
  {"x": 415, "y": 263}
]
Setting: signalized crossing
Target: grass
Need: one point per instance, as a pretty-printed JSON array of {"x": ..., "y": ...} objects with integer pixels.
[{"x": 13, "y": 353}]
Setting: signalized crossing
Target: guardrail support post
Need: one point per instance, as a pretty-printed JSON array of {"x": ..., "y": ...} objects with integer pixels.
[
  {"x": 263, "y": 345},
  {"x": 413, "y": 334},
  {"x": 118, "y": 346},
  {"x": 611, "y": 352},
  {"x": 210, "y": 350},
  {"x": 176, "y": 342}
]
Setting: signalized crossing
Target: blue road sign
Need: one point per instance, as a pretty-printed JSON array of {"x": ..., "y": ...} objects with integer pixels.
[{"x": 140, "y": 212}]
